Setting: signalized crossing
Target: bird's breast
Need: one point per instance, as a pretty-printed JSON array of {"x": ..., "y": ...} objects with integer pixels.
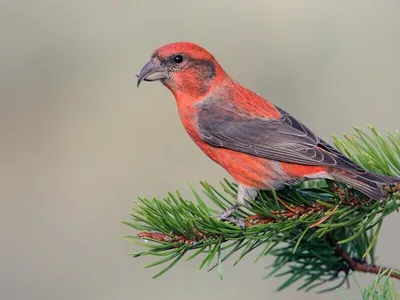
[
  {"x": 250, "y": 171},
  {"x": 188, "y": 116}
]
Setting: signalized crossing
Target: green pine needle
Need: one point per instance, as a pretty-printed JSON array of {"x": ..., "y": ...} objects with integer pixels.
[{"x": 382, "y": 288}]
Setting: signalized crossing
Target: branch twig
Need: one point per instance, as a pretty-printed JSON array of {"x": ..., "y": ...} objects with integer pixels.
[
  {"x": 357, "y": 265},
  {"x": 162, "y": 237},
  {"x": 299, "y": 211}
]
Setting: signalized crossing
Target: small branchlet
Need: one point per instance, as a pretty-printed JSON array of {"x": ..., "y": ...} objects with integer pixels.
[{"x": 357, "y": 265}]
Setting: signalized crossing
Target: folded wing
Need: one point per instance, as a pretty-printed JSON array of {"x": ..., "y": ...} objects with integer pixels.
[{"x": 284, "y": 139}]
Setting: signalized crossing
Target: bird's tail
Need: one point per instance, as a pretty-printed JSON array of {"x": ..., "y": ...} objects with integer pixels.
[{"x": 370, "y": 184}]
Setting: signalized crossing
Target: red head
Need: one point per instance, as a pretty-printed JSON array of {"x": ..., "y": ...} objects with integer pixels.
[{"x": 185, "y": 68}]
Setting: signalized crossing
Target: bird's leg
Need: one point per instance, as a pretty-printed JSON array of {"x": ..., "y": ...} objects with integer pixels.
[
  {"x": 244, "y": 194},
  {"x": 227, "y": 216},
  {"x": 229, "y": 212}
]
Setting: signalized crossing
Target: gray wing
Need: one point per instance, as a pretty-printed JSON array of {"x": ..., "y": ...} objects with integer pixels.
[{"x": 285, "y": 139}]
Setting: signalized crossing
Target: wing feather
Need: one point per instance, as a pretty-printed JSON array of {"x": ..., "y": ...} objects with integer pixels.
[{"x": 285, "y": 139}]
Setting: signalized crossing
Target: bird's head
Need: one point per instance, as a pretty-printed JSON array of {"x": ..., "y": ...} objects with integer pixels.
[{"x": 185, "y": 68}]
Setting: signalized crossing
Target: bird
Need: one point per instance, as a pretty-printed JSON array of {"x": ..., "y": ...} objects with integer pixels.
[{"x": 260, "y": 145}]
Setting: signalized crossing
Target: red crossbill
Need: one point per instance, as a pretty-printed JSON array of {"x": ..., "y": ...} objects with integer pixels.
[{"x": 259, "y": 144}]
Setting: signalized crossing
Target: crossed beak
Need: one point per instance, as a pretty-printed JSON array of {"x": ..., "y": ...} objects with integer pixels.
[{"x": 152, "y": 71}]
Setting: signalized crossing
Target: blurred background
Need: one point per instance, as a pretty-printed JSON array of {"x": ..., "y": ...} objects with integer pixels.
[{"x": 79, "y": 142}]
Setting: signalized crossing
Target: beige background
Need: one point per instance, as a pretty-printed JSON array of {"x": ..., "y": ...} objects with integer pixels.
[{"x": 78, "y": 141}]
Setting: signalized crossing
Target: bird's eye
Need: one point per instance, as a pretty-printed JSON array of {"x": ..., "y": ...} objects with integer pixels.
[{"x": 178, "y": 59}]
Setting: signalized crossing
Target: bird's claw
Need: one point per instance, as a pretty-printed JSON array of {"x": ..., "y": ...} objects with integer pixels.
[
  {"x": 227, "y": 216},
  {"x": 236, "y": 221},
  {"x": 228, "y": 213}
]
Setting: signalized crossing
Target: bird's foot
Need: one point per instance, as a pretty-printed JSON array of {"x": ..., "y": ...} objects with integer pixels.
[
  {"x": 227, "y": 216},
  {"x": 228, "y": 213}
]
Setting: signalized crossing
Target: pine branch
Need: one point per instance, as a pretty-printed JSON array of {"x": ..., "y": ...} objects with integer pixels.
[{"x": 293, "y": 224}]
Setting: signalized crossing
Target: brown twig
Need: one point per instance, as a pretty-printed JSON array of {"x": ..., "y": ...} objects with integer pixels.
[
  {"x": 294, "y": 213},
  {"x": 357, "y": 265},
  {"x": 155, "y": 236},
  {"x": 297, "y": 212},
  {"x": 162, "y": 237}
]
